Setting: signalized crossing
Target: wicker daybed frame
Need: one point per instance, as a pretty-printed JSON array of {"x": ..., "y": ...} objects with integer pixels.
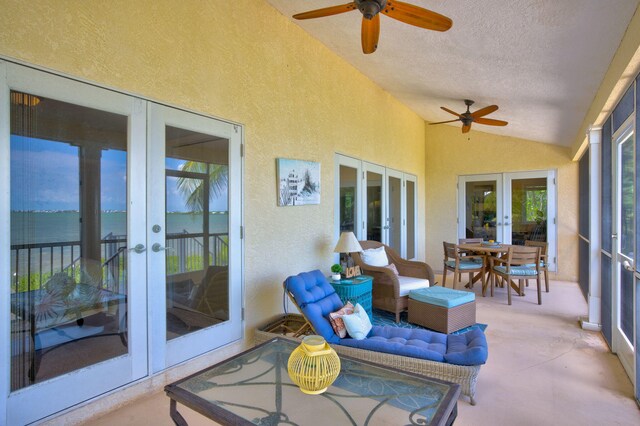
[{"x": 292, "y": 326}]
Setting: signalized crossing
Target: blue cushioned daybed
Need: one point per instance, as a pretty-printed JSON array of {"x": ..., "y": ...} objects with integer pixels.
[{"x": 455, "y": 358}]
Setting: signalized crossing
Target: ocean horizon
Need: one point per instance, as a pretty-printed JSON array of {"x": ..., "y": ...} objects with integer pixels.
[{"x": 49, "y": 226}]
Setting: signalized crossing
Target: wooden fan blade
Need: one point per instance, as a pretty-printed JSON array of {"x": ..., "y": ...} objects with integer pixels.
[
  {"x": 370, "y": 34},
  {"x": 465, "y": 129},
  {"x": 484, "y": 111},
  {"x": 449, "y": 111},
  {"x": 417, "y": 16},
  {"x": 442, "y": 122},
  {"x": 490, "y": 122},
  {"x": 327, "y": 11}
]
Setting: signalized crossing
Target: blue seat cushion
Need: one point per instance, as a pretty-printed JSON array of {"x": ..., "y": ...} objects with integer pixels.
[
  {"x": 442, "y": 296},
  {"x": 468, "y": 348},
  {"x": 415, "y": 343},
  {"x": 533, "y": 265},
  {"x": 316, "y": 298},
  {"x": 522, "y": 270},
  {"x": 464, "y": 264}
]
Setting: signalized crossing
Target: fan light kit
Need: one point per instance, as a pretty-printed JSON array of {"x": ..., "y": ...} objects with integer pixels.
[
  {"x": 371, "y": 9},
  {"x": 469, "y": 117}
]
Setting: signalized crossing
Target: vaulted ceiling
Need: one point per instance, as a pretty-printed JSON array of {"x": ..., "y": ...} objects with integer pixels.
[{"x": 541, "y": 61}]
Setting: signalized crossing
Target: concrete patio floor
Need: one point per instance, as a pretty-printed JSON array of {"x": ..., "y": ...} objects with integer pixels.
[{"x": 542, "y": 369}]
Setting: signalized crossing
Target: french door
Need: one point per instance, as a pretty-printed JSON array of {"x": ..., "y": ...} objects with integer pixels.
[
  {"x": 74, "y": 295},
  {"x": 194, "y": 263},
  {"x": 377, "y": 203},
  {"x": 624, "y": 243},
  {"x": 509, "y": 207},
  {"x": 123, "y": 254}
]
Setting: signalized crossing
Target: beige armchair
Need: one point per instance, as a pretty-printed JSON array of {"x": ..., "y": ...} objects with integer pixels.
[{"x": 390, "y": 291}]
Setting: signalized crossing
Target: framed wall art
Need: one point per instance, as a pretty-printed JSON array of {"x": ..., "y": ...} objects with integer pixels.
[{"x": 298, "y": 182}]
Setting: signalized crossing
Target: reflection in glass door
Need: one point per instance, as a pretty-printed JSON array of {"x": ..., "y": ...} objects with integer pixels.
[
  {"x": 394, "y": 210},
  {"x": 197, "y": 231},
  {"x": 74, "y": 277},
  {"x": 374, "y": 201},
  {"x": 480, "y": 209},
  {"x": 528, "y": 209},
  {"x": 411, "y": 209},
  {"x": 68, "y": 238},
  {"x": 624, "y": 243},
  {"x": 348, "y": 199}
]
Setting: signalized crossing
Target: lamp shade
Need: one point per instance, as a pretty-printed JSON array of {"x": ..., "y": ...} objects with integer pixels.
[{"x": 347, "y": 243}]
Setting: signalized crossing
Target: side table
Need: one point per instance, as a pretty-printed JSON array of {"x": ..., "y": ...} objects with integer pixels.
[{"x": 355, "y": 290}]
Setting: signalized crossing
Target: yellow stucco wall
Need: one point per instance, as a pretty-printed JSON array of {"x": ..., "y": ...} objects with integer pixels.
[
  {"x": 451, "y": 154},
  {"x": 239, "y": 60}
]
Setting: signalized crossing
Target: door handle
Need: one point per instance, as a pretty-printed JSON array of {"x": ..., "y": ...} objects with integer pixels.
[
  {"x": 627, "y": 265},
  {"x": 157, "y": 247},
  {"x": 139, "y": 248}
]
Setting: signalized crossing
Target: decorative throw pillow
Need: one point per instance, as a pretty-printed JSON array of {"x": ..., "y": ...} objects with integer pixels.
[
  {"x": 393, "y": 268},
  {"x": 336, "y": 319},
  {"x": 375, "y": 257},
  {"x": 358, "y": 324}
]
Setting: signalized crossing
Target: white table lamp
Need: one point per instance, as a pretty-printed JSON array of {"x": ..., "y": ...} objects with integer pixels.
[{"x": 348, "y": 244}]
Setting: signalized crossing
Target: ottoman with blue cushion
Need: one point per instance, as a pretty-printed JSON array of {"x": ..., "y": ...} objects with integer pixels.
[{"x": 442, "y": 309}]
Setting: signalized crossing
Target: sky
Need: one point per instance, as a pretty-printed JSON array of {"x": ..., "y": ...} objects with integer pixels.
[{"x": 45, "y": 176}]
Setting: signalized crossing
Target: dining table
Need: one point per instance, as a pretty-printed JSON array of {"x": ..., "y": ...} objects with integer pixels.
[{"x": 494, "y": 250}]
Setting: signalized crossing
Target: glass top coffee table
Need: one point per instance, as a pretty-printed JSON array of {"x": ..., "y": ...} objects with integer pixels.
[{"x": 254, "y": 388}]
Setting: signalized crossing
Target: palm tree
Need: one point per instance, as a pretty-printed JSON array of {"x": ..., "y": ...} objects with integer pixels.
[{"x": 193, "y": 189}]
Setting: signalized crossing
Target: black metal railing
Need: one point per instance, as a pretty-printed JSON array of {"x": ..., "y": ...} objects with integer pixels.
[{"x": 33, "y": 264}]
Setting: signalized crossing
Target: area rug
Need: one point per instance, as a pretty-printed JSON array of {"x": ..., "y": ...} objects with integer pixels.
[{"x": 381, "y": 318}]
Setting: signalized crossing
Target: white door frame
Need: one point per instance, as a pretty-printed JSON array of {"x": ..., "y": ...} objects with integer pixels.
[
  {"x": 374, "y": 168},
  {"x": 620, "y": 344},
  {"x": 164, "y": 354},
  {"x": 64, "y": 391}
]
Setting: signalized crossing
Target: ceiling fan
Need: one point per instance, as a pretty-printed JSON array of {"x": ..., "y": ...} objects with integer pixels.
[
  {"x": 371, "y": 9},
  {"x": 469, "y": 117}
]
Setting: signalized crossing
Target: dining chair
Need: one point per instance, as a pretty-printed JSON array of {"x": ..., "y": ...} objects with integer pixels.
[
  {"x": 520, "y": 263},
  {"x": 458, "y": 264},
  {"x": 544, "y": 264}
]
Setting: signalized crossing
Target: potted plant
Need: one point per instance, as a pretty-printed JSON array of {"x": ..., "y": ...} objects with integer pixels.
[{"x": 336, "y": 269}]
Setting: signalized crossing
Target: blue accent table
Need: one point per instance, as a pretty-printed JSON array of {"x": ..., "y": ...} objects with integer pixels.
[{"x": 355, "y": 290}]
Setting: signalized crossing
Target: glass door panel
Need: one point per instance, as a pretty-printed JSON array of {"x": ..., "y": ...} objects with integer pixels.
[
  {"x": 197, "y": 231},
  {"x": 394, "y": 210},
  {"x": 481, "y": 210},
  {"x": 374, "y": 201},
  {"x": 194, "y": 265},
  {"x": 528, "y": 210},
  {"x": 624, "y": 217},
  {"x": 68, "y": 238},
  {"x": 348, "y": 199},
  {"x": 72, "y": 284},
  {"x": 411, "y": 197}
]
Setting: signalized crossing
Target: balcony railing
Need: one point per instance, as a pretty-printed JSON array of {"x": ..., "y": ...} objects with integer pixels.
[{"x": 33, "y": 264}]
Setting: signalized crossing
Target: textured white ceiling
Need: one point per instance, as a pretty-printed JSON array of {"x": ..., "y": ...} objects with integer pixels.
[{"x": 541, "y": 61}]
